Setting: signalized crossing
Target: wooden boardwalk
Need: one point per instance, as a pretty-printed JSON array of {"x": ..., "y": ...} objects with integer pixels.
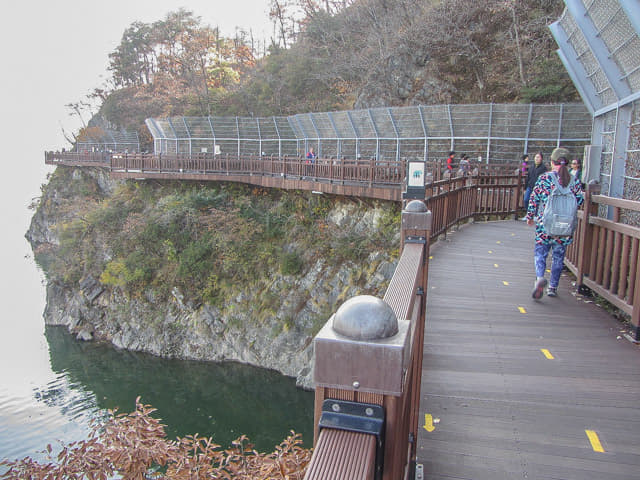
[{"x": 518, "y": 389}]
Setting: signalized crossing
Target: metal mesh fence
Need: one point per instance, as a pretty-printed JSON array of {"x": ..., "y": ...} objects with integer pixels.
[
  {"x": 105, "y": 140},
  {"x": 620, "y": 37},
  {"x": 589, "y": 62},
  {"x": 494, "y": 132},
  {"x": 601, "y": 36},
  {"x": 599, "y": 43}
]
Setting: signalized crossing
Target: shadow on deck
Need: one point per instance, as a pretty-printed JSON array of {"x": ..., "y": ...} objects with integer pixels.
[{"x": 514, "y": 388}]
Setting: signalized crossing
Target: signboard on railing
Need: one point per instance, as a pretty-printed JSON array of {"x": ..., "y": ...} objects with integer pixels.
[{"x": 415, "y": 180}]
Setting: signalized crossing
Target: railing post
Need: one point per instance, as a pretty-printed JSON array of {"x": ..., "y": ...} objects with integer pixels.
[
  {"x": 518, "y": 195},
  {"x": 585, "y": 240},
  {"x": 360, "y": 356},
  {"x": 445, "y": 207},
  {"x": 635, "y": 312},
  {"x": 371, "y": 167},
  {"x": 416, "y": 224}
]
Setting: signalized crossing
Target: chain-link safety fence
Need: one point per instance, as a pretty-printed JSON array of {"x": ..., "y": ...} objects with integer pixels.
[
  {"x": 599, "y": 44},
  {"x": 496, "y": 133}
]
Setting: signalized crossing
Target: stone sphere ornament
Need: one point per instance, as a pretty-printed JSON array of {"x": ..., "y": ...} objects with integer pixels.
[{"x": 365, "y": 317}]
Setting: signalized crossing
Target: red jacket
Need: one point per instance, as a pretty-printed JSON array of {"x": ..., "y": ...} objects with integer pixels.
[{"x": 450, "y": 162}]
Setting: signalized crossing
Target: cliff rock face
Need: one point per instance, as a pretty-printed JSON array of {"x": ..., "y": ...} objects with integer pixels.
[{"x": 175, "y": 325}]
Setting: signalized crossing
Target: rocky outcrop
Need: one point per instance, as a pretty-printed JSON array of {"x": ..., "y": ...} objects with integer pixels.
[{"x": 279, "y": 339}]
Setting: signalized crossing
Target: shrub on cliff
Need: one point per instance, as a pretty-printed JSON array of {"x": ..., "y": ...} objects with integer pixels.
[
  {"x": 211, "y": 241},
  {"x": 134, "y": 447}
]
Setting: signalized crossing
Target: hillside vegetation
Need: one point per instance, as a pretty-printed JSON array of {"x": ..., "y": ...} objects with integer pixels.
[
  {"x": 206, "y": 271},
  {"x": 335, "y": 55},
  {"x": 210, "y": 240}
]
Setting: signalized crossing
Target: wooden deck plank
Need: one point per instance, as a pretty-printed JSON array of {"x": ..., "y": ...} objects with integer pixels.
[{"x": 502, "y": 408}]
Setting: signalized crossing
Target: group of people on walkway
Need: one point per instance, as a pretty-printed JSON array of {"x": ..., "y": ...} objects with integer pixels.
[
  {"x": 543, "y": 185},
  {"x": 464, "y": 167}
]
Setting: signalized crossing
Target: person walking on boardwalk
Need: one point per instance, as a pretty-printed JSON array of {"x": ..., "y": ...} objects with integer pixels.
[
  {"x": 558, "y": 177},
  {"x": 534, "y": 172},
  {"x": 525, "y": 166},
  {"x": 450, "y": 160}
]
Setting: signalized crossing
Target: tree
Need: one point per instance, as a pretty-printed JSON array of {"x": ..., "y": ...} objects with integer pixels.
[{"x": 133, "y": 62}]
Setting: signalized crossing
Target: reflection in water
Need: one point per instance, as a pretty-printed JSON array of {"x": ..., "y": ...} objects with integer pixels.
[{"x": 222, "y": 400}]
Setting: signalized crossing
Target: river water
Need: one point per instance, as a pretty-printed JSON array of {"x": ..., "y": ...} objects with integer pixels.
[{"x": 52, "y": 385}]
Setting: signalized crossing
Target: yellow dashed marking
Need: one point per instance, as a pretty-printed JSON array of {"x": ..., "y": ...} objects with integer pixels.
[
  {"x": 428, "y": 423},
  {"x": 506, "y": 284},
  {"x": 546, "y": 353},
  {"x": 595, "y": 441},
  {"x": 522, "y": 310}
]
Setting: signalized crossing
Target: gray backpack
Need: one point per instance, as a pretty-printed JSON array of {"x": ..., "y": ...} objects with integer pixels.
[{"x": 560, "y": 215}]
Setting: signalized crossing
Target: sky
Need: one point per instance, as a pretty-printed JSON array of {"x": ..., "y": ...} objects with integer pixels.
[{"x": 55, "y": 53}]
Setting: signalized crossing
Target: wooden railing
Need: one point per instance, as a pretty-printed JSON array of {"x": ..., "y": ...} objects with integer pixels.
[
  {"x": 349, "y": 378},
  {"x": 604, "y": 258},
  {"x": 365, "y": 177},
  {"x": 605, "y": 253},
  {"x": 77, "y": 158},
  {"x": 377, "y": 373}
]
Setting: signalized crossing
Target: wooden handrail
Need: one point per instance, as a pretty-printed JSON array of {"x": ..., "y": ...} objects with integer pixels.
[
  {"x": 341, "y": 454},
  {"x": 605, "y": 254},
  {"x": 351, "y": 177},
  {"x": 387, "y": 372}
]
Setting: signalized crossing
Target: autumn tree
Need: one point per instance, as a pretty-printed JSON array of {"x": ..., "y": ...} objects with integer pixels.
[
  {"x": 174, "y": 66},
  {"x": 338, "y": 54}
]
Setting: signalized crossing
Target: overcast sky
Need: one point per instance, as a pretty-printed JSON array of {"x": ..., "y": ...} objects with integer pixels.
[{"x": 55, "y": 53}]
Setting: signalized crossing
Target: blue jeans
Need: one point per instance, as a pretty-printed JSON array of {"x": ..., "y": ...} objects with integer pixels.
[
  {"x": 525, "y": 198},
  {"x": 557, "y": 260}
]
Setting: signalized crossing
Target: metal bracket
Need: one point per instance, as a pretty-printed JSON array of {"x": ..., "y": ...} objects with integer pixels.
[
  {"x": 414, "y": 239},
  {"x": 356, "y": 417},
  {"x": 414, "y": 194}
]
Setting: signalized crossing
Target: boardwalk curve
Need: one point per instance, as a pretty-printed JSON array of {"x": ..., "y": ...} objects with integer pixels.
[{"x": 513, "y": 388}]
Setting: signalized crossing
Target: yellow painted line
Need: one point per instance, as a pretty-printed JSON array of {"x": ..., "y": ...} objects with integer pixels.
[
  {"x": 498, "y": 242},
  {"x": 546, "y": 353},
  {"x": 428, "y": 423},
  {"x": 490, "y": 251},
  {"x": 506, "y": 284},
  {"x": 522, "y": 310},
  {"x": 595, "y": 441},
  {"x": 496, "y": 265}
]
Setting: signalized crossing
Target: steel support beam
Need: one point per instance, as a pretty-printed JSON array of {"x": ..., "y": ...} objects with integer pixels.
[
  {"x": 632, "y": 9},
  {"x": 597, "y": 46},
  {"x": 576, "y": 71}
]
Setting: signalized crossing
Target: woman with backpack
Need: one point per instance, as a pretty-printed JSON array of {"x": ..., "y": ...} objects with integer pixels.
[{"x": 554, "y": 189}]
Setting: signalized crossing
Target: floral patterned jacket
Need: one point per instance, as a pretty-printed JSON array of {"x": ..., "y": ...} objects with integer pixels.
[{"x": 538, "y": 200}]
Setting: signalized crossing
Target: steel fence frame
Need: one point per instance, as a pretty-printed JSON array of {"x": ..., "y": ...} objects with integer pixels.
[
  {"x": 497, "y": 133},
  {"x": 599, "y": 44}
]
